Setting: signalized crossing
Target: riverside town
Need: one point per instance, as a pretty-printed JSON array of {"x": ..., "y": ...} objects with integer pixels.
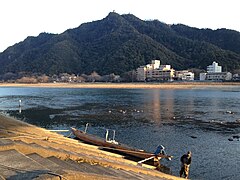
[{"x": 154, "y": 72}]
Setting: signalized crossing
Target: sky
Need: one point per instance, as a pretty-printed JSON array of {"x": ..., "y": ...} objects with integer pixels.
[{"x": 22, "y": 18}]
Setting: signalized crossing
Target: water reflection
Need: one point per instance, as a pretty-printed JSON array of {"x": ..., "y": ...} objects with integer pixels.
[
  {"x": 168, "y": 103},
  {"x": 152, "y": 106},
  {"x": 158, "y": 108}
]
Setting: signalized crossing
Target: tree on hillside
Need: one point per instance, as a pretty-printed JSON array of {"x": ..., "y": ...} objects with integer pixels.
[
  {"x": 9, "y": 76},
  {"x": 27, "y": 80},
  {"x": 130, "y": 76},
  {"x": 94, "y": 76},
  {"x": 43, "y": 79}
]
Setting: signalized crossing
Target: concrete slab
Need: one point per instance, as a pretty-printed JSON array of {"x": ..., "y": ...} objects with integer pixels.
[
  {"x": 95, "y": 169},
  {"x": 15, "y": 165},
  {"x": 47, "y": 163},
  {"x": 63, "y": 164},
  {"x": 5, "y": 142}
]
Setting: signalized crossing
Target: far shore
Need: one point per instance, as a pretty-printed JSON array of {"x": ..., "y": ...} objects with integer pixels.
[{"x": 168, "y": 85}]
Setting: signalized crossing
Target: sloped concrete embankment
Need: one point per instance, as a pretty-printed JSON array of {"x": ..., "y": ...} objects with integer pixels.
[{"x": 30, "y": 152}]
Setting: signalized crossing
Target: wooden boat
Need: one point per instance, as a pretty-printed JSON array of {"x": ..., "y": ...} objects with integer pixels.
[
  {"x": 91, "y": 139},
  {"x": 112, "y": 145}
]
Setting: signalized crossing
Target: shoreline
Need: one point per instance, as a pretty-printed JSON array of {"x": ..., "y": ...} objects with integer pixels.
[
  {"x": 30, "y": 139},
  {"x": 168, "y": 85}
]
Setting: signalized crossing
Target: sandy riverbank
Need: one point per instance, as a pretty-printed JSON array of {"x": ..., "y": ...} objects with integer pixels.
[{"x": 175, "y": 85}]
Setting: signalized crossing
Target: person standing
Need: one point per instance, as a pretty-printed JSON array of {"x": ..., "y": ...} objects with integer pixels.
[{"x": 186, "y": 160}]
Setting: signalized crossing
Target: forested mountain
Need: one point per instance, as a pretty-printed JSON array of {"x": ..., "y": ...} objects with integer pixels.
[{"x": 120, "y": 43}]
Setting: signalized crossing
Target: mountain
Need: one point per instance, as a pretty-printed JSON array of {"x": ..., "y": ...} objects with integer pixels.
[{"x": 120, "y": 43}]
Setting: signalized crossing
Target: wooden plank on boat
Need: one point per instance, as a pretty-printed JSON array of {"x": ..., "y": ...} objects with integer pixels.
[{"x": 137, "y": 153}]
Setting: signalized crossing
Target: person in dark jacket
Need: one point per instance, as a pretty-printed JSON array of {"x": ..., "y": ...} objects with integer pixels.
[
  {"x": 186, "y": 160},
  {"x": 160, "y": 150}
]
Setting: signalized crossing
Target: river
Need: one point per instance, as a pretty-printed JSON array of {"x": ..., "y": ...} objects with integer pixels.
[{"x": 202, "y": 120}]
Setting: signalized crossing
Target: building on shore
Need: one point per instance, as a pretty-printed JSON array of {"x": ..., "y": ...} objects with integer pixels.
[
  {"x": 214, "y": 73},
  {"x": 236, "y": 77},
  {"x": 163, "y": 73},
  {"x": 184, "y": 75},
  {"x": 214, "y": 68},
  {"x": 202, "y": 76},
  {"x": 155, "y": 72},
  {"x": 145, "y": 72},
  {"x": 221, "y": 76}
]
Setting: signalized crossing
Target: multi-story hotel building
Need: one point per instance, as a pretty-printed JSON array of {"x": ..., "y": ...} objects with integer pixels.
[
  {"x": 214, "y": 73},
  {"x": 214, "y": 68},
  {"x": 155, "y": 72}
]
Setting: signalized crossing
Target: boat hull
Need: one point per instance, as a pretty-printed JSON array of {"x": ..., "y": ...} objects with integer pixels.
[{"x": 118, "y": 148}]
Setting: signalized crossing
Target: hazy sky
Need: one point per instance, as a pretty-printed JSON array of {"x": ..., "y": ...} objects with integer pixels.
[{"x": 22, "y": 18}]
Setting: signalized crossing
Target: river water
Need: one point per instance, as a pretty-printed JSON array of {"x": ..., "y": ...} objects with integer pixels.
[{"x": 199, "y": 120}]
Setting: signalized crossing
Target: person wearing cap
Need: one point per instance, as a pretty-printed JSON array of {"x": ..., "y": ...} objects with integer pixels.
[
  {"x": 186, "y": 160},
  {"x": 160, "y": 150},
  {"x": 156, "y": 161}
]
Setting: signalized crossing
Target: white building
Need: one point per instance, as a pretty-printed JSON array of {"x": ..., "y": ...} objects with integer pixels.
[
  {"x": 202, "y": 76},
  {"x": 155, "y": 64},
  {"x": 141, "y": 73},
  {"x": 221, "y": 76},
  {"x": 214, "y": 73},
  {"x": 214, "y": 68},
  {"x": 155, "y": 72},
  {"x": 164, "y": 67},
  {"x": 184, "y": 75},
  {"x": 163, "y": 74},
  {"x": 144, "y": 72},
  {"x": 236, "y": 77}
]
